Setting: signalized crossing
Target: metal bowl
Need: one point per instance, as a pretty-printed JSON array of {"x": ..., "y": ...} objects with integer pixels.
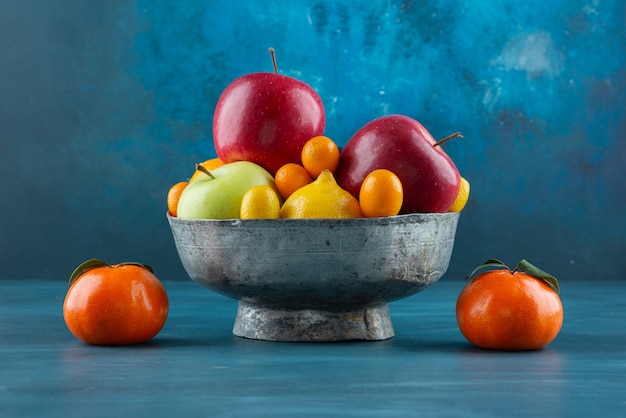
[{"x": 316, "y": 279}]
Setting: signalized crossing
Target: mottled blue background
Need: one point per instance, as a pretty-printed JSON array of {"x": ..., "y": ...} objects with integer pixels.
[{"x": 104, "y": 105}]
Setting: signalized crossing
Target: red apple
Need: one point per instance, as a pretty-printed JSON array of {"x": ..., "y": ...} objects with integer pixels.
[
  {"x": 402, "y": 145},
  {"x": 266, "y": 118}
]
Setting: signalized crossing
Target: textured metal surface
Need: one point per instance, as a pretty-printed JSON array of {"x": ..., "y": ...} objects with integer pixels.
[
  {"x": 372, "y": 322},
  {"x": 286, "y": 269}
]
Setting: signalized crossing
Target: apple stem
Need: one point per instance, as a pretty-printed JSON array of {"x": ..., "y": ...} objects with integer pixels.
[
  {"x": 205, "y": 171},
  {"x": 447, "y": 138},
  {"x": 273, "y": 55}
]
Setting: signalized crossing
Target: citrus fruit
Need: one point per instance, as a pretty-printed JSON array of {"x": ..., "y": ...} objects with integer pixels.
[
  {"x": 321, "y": 199},
  {"x": 173, "y": 195},
  {"x": 318, "y": 154},
  {"x": 510, "y": 310},
  {"x": 290, "y": 177},
  {"x": 210, "y": 164},
  {"x": 381, "y": 194},
  {"x": 117, "y": 304},
  {"x": 260, "y": 202},
  {"x": 461, "y": 198}
]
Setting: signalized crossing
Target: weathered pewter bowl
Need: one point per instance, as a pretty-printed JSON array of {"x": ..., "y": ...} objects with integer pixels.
[{"x": 316, "y": 279}]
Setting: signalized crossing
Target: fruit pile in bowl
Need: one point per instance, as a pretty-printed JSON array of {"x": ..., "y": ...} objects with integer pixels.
[{"x": 314, "y": 240}]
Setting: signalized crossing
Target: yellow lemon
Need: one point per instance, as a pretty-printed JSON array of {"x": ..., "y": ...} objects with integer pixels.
[
  {"x": 322, "y": 198},
  {"x": 260, "y": 202},
  {"x": 461, "y": 198}
]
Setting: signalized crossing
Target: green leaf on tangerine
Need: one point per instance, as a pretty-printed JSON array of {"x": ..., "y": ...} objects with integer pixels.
[
  {"x": 491, "y": 263},
  {"x": 84, "y": 267},
  {"x": 525, "y": 267}
]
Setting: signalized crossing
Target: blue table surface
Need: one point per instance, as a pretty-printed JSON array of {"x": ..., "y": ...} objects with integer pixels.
[{"x": 196, "y": 367}]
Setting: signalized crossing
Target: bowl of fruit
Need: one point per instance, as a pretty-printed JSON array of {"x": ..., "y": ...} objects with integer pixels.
[
  {"x": 316, "y": 279},
  {"x": 314, "y": 241}
]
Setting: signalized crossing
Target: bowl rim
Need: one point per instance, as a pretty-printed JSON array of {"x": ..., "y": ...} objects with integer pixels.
[{"x": 396, "y": 219}]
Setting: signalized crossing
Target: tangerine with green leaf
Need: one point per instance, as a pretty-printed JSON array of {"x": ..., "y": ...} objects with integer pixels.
[
  {"x": 504, "y": 309},
  {"x": 117, "y": 304}
]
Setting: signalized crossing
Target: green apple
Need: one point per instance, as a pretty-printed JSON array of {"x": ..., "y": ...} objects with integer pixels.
[{"x": 218, "y": 195}]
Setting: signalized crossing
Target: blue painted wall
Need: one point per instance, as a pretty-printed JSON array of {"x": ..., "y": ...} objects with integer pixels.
[{"x": 104, "y": 105}]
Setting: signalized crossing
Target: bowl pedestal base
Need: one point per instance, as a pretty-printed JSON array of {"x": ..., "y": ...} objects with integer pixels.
[{"x": 371, "y": 322}]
